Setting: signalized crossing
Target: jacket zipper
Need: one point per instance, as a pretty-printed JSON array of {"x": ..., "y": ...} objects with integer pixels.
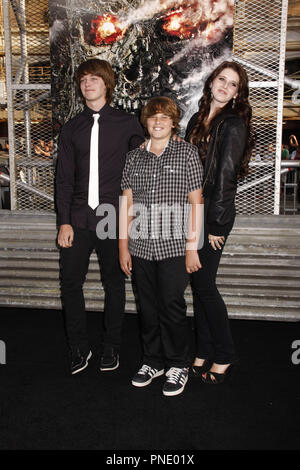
[{"x": 213, "y": 154}]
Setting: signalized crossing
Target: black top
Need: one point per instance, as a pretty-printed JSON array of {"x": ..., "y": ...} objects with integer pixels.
[
  {"x": 227, "y": 144},
  {"x": 119, "y": 132}
]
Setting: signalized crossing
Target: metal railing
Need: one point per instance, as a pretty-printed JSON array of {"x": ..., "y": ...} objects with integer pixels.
[
  {"x": 290, "y": 180},
  {"x": 288, "y": 167}
]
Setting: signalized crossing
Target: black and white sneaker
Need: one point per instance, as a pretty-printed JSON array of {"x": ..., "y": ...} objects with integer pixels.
[
  {"x": 79, "y": 361},
  {"x": 145, "y": 376},
  {"x": 176, "y": 380}
]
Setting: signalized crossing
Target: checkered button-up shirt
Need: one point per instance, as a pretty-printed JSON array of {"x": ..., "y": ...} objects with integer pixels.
[{"x": 160, "y": 187}]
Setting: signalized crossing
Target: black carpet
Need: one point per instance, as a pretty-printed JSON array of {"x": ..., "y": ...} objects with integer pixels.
[{"x": 43, "y": 407}]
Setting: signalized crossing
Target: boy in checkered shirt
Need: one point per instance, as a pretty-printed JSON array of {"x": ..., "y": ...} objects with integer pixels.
[{"x": 161, "y": 186}]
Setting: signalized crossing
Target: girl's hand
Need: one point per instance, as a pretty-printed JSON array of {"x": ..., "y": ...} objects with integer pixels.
[
  {"x": 176, "y": 138},
  {"x": 144, "y": 144},
  {"x": 215, "y": 241}
]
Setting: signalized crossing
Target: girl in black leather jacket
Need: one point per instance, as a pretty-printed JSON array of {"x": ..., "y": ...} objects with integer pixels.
[{"x": 222, "y": 131}]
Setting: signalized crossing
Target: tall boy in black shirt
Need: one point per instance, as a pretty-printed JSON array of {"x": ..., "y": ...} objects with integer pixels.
[{"x": 117, "y": 133}]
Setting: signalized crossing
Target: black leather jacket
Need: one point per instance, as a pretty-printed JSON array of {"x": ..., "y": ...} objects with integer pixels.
[{"x": 226, "y": 149}]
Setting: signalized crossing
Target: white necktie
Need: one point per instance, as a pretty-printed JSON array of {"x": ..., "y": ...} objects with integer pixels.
[{"x": 93, "y": 198}]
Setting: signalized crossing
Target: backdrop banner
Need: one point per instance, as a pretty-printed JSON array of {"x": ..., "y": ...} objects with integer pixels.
[{"x": 156, "y": 47}]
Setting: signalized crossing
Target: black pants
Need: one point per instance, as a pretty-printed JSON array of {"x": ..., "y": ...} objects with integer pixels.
[
  {"x": 213, "y": 335},
  {"x": 74, "y": 267},
  {"x": 160, "y": 288}
]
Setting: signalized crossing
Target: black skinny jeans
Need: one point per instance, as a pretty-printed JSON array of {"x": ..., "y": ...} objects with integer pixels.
[
  {"x": 74, "y": 267},
  {"x": 213, "y": 335}
]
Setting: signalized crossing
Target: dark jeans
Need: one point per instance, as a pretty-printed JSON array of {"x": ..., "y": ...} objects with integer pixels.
[
  {"x": 160, "y": 288},
  {"x": 213, "y": 335},
  {"x": 74, "y": 267}
]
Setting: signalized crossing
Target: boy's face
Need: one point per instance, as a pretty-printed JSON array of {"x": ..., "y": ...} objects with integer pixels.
[
  {"x": 92, "y": 88},
  {"x": 160, "y": 126}
]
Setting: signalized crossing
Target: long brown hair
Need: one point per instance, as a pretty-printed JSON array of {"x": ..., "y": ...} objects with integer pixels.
[{"x": 239, "y": 106}]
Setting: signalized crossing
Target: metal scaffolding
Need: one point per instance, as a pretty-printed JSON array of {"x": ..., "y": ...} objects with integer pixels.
[
  {"x": 259, "y": 45},
  {"x": 28, "y": 89}
]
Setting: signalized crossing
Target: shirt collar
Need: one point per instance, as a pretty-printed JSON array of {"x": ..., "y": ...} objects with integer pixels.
[
  {"x": 149, "y": 145},
  {"x": 103, "y": 111}
]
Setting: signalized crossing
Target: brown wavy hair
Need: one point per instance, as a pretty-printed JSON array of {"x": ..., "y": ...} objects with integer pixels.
[
  {"x": 240, "y": 106},
  {"x": 164, "y": 105},
  {"x": 102, "y": 69}
]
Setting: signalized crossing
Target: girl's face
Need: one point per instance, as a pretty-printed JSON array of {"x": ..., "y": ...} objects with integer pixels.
[{"x": 225, "y": 87}]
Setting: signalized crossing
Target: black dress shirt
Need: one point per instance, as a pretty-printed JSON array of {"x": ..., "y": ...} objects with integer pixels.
[{"x": 119, "y": 132}]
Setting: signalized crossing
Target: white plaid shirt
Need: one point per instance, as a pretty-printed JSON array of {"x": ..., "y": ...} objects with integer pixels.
[{"x": 160, "y": 187}]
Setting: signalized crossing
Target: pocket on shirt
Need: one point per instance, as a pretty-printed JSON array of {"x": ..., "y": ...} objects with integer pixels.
[
  {"x": 174, "y": 170},
  {"x": 174, "y": 175},
  {"x": 139, "y": 180}
]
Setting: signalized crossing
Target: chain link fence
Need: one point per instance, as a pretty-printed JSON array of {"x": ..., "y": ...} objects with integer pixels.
[
  {"x": 259, "y": 41},
  {"x": 259, "y": 45},
  {"x": 28, "y": 77}
]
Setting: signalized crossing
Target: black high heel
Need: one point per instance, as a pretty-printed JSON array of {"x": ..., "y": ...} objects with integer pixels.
[
  {"x": 214, "y": 378},
  {"x": 197, "y": 371}
]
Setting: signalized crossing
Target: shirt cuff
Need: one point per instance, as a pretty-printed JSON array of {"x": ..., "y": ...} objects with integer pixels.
[
  {"x": 63, "y": 219},
  {"x": 219, "y": 230},
  {"x": 125, "y": 186},
  {"x": 196, "y": 187}
]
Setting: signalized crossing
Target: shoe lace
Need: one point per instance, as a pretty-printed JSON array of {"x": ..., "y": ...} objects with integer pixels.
[
  {"x": 145, "y": 369},
  {"x": 174, "y": 375}
]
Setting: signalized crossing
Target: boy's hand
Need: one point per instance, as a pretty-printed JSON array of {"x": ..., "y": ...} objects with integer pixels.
[
  {"x": 192, "y": 261},
  {"x": 125, "y": 261},
  {"x": 65, "y": 236}
]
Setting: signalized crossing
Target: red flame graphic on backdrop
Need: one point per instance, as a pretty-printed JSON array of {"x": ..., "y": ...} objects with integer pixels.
[
  {"x": 105, "y": 30},
  {"x": 176, "y": 24}
]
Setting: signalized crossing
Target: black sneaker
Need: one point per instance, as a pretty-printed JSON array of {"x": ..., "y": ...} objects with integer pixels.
[
  {"x": 109, "y": 359},
  {"x": 79, "y": 361},
  {"x": 176, "y": 380},
  {"x": 145, "y": 376}
]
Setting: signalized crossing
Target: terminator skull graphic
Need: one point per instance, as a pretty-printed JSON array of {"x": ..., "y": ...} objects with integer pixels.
[{"x": 156, "y": 47}]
